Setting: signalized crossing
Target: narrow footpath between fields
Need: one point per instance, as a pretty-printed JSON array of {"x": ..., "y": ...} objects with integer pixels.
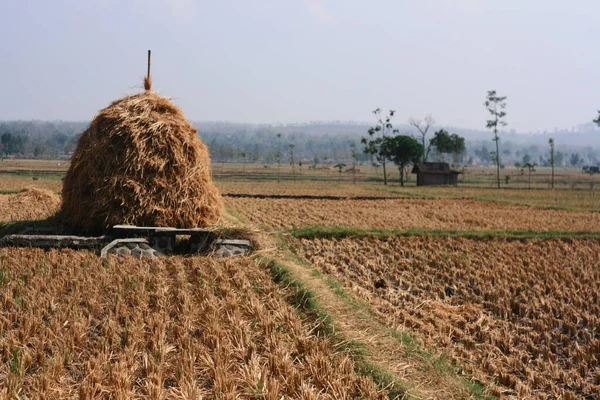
[{"x": 388, "y": 352}]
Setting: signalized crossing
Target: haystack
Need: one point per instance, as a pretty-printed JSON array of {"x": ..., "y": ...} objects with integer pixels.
[
  {"x": 39, "y": 197},
  {"x": 140, "y": 162}
]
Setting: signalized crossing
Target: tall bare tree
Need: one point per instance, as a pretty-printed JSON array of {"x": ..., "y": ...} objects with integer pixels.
[
  {"x": 597, "y": 120},
  {"x": 551, "y": 159},
  {"x": 422, "y": 126},
  {"x": 377, "y": 145},
  {"x": 354, "y": 157},
  {"x": 292, "y": 162},
  {"x": 531, "y": 168},
  {"x": 496, "y": 105},
  {"x": 278, "y": 155}
]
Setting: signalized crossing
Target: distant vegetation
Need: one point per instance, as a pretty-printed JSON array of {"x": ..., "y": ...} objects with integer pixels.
[{"x": 327, "y": 143}]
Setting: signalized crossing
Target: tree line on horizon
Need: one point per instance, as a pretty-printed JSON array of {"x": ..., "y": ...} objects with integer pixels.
[
  {"x": 57, "y": 139},
  {"x": 386, "y": 144}
]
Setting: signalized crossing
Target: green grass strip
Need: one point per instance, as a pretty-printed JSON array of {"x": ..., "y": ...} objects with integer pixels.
[
  {"x": 306, "y": 302},
  {"x": 299, "y": 296}
]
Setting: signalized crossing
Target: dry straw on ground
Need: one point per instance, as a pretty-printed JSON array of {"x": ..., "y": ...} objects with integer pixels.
[
  {"x": 140, "y": 162},
  {"x": 40, "y": 197},
  {"x": 524, "y": 314},
  {"x": 409, "y": 214},
  {"x": 28, "y": 204},
  {"x": 74, "y": 326}
]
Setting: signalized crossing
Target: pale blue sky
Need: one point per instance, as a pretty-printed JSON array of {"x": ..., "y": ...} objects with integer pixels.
[{"x": 302, "y": 60}]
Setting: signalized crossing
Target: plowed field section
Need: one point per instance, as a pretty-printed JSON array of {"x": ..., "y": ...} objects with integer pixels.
[
  {"x": 309, "y": 188},
  {"x": 409, "y": 213},
  {"x": 526, "y": 314}
]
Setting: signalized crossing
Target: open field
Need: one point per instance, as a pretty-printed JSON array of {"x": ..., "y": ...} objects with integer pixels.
[
  {"x": 524, "y": 314},
  {"x": 477, "y": 177},
  {"x": 407, "y": 214},
  {"x": 304, "y": 188},
  {"x": 27, "y": 166},
  {"x": 472, "y": 176},
  {"x": 12, "y": 183},
  {"x": 574, "y": 190},
  {"x": 75, "y": 326},
  {"x": 580, "y": 199},
  {"x": 519, "y": 317}
]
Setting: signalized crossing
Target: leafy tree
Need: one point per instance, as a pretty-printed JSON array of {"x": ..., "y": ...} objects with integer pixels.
[
  {"x": 376, "y": 142},
  {"x": 11, "y": 144},
  {"x": 531, "y": 168},
  {"x": 551, "y": 159},
  {"x": 422, "y": 127},
  {"x": 493, "y": 157},
  {"x": 57, "y": 141},
  {"x": 376, "y": 166},
  {"x": 559, "y": 158},
  {"x": 446, "y": 143},
  {"x": 40, "y": 149},
  {"x": 404, "y": 150},
  {"x": 278, "y": 156},
  {"x": 292, "y": 145},
  {"x": 354, "y": 158},
  {"x": 575, "y": 159},
  {"x": 71, "y": 144},
  {"x": 7, "y": 141},
  {"x": 243, "y": 157},
  {"x": 340, "y": 167},
  {"x": 483, "y": 154},
  {"x": 496, "y": 105}
]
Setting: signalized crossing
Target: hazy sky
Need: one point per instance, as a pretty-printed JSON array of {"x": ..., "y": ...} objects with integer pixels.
[{"x": 302, "y": 60}]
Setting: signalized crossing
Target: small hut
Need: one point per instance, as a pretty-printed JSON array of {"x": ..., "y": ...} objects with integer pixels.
[{"x": 435, "y": 173}]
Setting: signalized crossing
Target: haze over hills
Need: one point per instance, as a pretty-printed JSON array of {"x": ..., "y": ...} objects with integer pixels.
[
  {"x": 583, "y": 135},
  {"x": 314, "y": 141}
]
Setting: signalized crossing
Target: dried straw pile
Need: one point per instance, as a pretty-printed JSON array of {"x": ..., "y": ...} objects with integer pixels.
[
  {"x": 140, "y": 162},
  {"x": 40, "y": 197},
  {"x": 29, "y": 204}
]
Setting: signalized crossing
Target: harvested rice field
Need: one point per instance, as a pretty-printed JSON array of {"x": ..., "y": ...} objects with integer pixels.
[
  {"x": 516, "y": 319},
  {"x": 525, "y": 314},
  {"x": 581, "y": 199},
  {"x": 435, "y": 214},
  {"x": 311, "y": 188},
  {"x": 75, "y": 326},
  {"x": 10, "y": 183}
]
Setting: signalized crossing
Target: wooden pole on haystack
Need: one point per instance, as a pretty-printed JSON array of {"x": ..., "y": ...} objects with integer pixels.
[{"x": 148, "y": 79}]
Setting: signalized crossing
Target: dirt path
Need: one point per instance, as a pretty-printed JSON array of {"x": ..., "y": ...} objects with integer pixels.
[
  {"x": 383, "y": 349},
  {"x": 355, "y": 322}
]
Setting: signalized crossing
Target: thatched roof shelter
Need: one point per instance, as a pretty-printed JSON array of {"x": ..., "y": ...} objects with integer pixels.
[{"x": 435, "y": 173}]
